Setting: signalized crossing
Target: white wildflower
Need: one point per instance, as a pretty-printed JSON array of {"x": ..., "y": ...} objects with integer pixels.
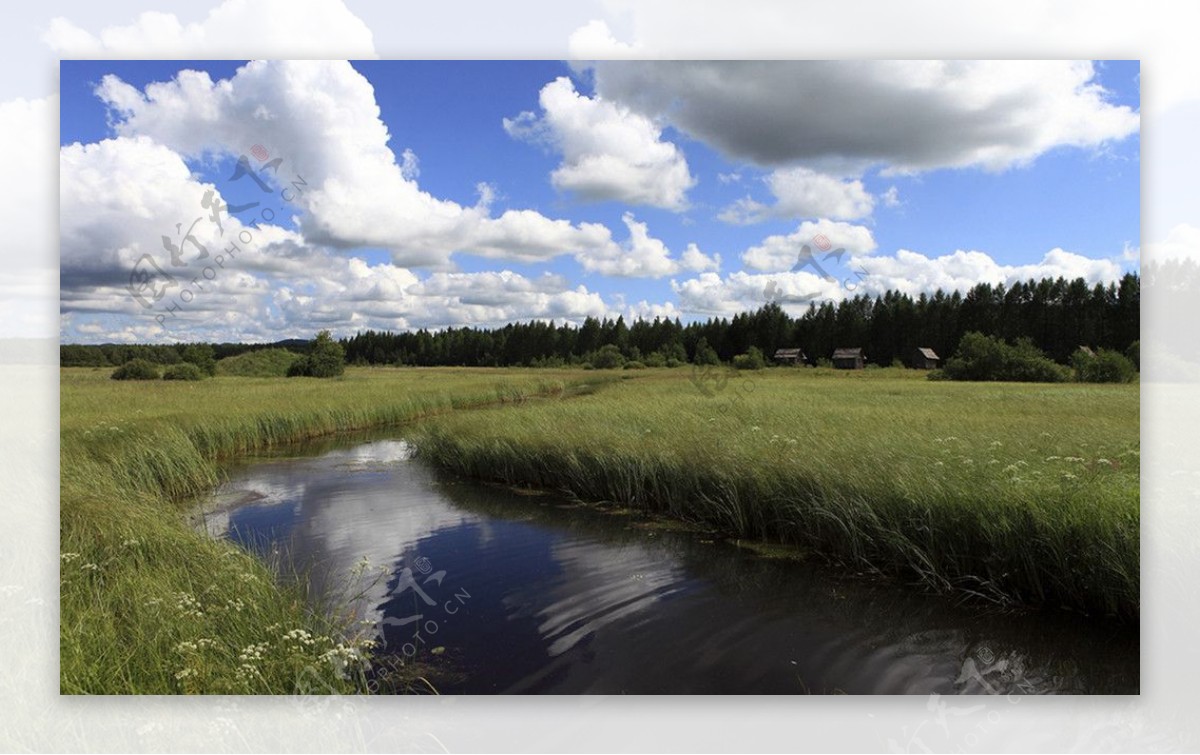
[{"x": 254, "y": 652}]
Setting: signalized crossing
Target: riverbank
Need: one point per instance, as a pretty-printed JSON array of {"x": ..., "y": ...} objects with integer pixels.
[
  {"x": 150, "y": 606},
  {"x": 1017, "y": 493}
]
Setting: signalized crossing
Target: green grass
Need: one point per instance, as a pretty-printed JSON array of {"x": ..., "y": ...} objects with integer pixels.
[
  {"x": 1016, "y": 492},
  {"x": 1019, "y": 492},
  {"x": 148, "y": 605}
]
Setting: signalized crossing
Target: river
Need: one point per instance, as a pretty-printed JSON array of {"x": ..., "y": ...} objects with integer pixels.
[{"x": 492, "y": 590}]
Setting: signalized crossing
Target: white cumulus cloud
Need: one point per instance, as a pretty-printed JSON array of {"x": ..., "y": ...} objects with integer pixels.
[
  {"x": 712, "y": 295},
  {"x": 804, "y": 193},
  {"x": 643, "y": 256},
  {"x": 608, "y": 152},
  {"x": 322, "y": 118},
  {"x": 779, "y": 252},
  {"x": 914, "y": 273}
]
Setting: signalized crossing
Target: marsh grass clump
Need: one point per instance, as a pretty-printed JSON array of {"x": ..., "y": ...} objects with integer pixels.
[{"x": 1012, "y": 492}]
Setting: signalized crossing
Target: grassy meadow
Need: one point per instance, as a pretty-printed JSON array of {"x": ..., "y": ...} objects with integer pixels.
[
  {"x": 150, "y": 606},
  {"x": 1016, "y": 492}
]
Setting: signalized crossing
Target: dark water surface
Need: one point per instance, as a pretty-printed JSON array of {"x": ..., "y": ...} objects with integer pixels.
[{"x": 500, "y": 592}]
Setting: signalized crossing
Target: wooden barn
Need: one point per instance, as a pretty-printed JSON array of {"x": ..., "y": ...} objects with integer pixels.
[
  {"x": 925, "y": 358},
  {"x": 791, "y": 357},
  {"x": 848, "y": 359}
]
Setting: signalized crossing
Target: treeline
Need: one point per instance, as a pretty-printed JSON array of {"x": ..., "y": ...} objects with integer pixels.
[
  {"x": 1057, "y": 315},
  {"x": 116, "y": 354}
]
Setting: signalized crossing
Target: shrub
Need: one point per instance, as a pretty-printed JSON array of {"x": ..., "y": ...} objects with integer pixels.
[
  {"x": 1105, "y": 366},
  {"x": 183, "y": 371},
  {"x": 136, "y": 369},
  {"x": 751, "y": 360},
  {"x": 672, "y": 363},
  {"x": 608, "y": 358},
  {"x": 823, "y": 362},
  {"x": 201, "y": 355},
  {"x": 634, "y": 365},
  {"x": 1134, "y": 354},
  {"x": 705, "y": 354},
  {"x": 655, "y": 359},
  {"x": 325, "y": 359},
  {"x": 981, "y": 357}
]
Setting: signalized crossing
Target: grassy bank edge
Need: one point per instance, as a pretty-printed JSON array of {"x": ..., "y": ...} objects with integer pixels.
[
  {"x": 971, "y": 546},
  {"x": 148, "y": 605}
]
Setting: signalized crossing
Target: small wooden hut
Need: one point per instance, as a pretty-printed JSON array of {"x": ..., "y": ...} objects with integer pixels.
[
  {"x": 791, "y": 357},
  {"x": 925, "y": 358},
  {"x": 849, "y": 359}
]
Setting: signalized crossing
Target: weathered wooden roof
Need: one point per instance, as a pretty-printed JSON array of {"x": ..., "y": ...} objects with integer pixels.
[
  {"x": 788, "y": 354},
  {"x": 928, "y": 353},
  {"x": 847, "y": 353},
  {"x": 1087, "y": 350}
]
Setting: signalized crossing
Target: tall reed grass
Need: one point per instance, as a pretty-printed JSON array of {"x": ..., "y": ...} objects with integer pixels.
[
  {"x": 149, "y": 605},
  {"x": 1014, "y": 492}
]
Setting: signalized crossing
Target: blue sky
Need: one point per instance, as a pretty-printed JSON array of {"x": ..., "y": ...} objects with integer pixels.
[{"x": 983, "y": 184}]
